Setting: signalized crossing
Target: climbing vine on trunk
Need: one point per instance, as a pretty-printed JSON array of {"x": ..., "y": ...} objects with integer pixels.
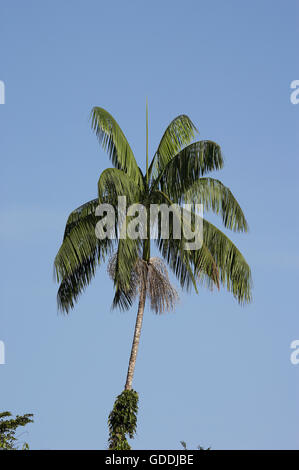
[{"x": 122, "y": 420}]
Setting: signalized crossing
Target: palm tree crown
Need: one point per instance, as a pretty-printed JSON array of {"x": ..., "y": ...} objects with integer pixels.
[{"x": 176, "y": 175}]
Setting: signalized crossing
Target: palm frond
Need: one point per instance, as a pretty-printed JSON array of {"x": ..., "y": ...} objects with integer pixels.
[
  {"x": 218, "y": 198},
  {"x": 178, "y": 261},
  {"x": 114, "y": 142},
  {"x": 85, "y": 210},
  {"x": 79, "y": 255},
  {"x": 185, "y": 263},
  {"x": 113, "y": 183},
  {"x": 187, "y": 167},
  {"x": 216, "y": 262},
  {"x": 73, "y": 285},
  {"x": 123, "y": 297},
  {"x": 171, "y": 249},
  {"x": 78, "y": 244},
  {"x": 180, "y": 132},
  {"x": 234, "y": 272},
  {"x": 127, "y": 255}
]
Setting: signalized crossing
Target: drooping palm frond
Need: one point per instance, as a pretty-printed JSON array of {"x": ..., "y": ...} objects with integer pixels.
[
  {"x": 114, "y": 142},
  {"x": 86, "y": 210},
  {"x": 123, "y": 297},
  {"x": 178, "y": 261},
  {"x": 187, "y": 167},
  {"x": 234, "y": 272},
  {"x": 79, "y": 255},
  {"x": 170, "y": 248},
  {"x": 73, "y": 285},
  {"x": 177, "y": 135},
  {"x": 218, "y": 198},
  {"x": 79, "y": 241},
  {"x": 185, "y": 263},
  {"x": 75, "y": 282},
  {"x": 127, "y": 255},
  {"x": 216, "y": 262}
]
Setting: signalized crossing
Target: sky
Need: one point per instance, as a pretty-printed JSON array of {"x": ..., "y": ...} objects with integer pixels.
[{"x": 213, "y": 372}]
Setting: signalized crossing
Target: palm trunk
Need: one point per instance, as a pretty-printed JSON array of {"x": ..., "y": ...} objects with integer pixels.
[{"x": 136, "y": 339}]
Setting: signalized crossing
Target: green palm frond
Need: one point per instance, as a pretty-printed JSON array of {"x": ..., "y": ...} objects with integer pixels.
[
  {"x": 171, "y": 249},
  {"x": 185, "y": 263},
  {"x": 114, "y": 142},
  {"x": 189, "y": 265},
  {"x": 113, "y": 183},
  {"x": 218, "y": 261},
  {"x": 178, "y": 261},
  {"x": 127, "y": 255},
  {"x": 123, "y": 297},
  {"x": 218, "y": 198},
  {"x": 178, "y": 134},
  {"x": 74, "y": 284},
  {"x": 187, "y": 167},
  {"x": 86, "y": 210},
  {"x": 78, "y": 244},
  {"x": 234, "y": 272},
  {"x": 79, "y": 255}
]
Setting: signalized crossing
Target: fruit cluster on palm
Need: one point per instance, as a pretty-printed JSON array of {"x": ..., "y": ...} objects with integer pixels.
[{"x": 175, "y": 175}]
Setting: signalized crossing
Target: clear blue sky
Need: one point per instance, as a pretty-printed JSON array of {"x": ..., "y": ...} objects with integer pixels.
[{"x": 212, "y": 373}]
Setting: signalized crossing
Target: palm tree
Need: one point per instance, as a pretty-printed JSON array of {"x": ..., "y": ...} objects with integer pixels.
[{"x": 175, "y": 175}]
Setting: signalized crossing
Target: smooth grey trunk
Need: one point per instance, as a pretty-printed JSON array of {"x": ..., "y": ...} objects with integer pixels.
[{"x": 136, "y": 339}]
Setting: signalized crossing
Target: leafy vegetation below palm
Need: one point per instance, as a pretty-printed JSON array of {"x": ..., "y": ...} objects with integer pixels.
[{"x": 8, "y": 428}]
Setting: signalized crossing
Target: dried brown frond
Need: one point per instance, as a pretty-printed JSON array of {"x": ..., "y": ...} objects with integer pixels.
[
  {"x": 151, "y": 276},
  {"x": 162, "y": 295}
]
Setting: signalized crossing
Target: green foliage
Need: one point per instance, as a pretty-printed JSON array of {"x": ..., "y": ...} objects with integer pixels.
[
  {"x": 113, "y": 183},
  {"x": 176, "y": 175},
  {"x": 122, "y": 420},
  {"x": 216, "y": 197},
  {"x": 79, "y": 255},
  {"x": 114, "y": 142},
  {"x": 179, "y": 133},
  {"x": 8, "y": 428}
]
